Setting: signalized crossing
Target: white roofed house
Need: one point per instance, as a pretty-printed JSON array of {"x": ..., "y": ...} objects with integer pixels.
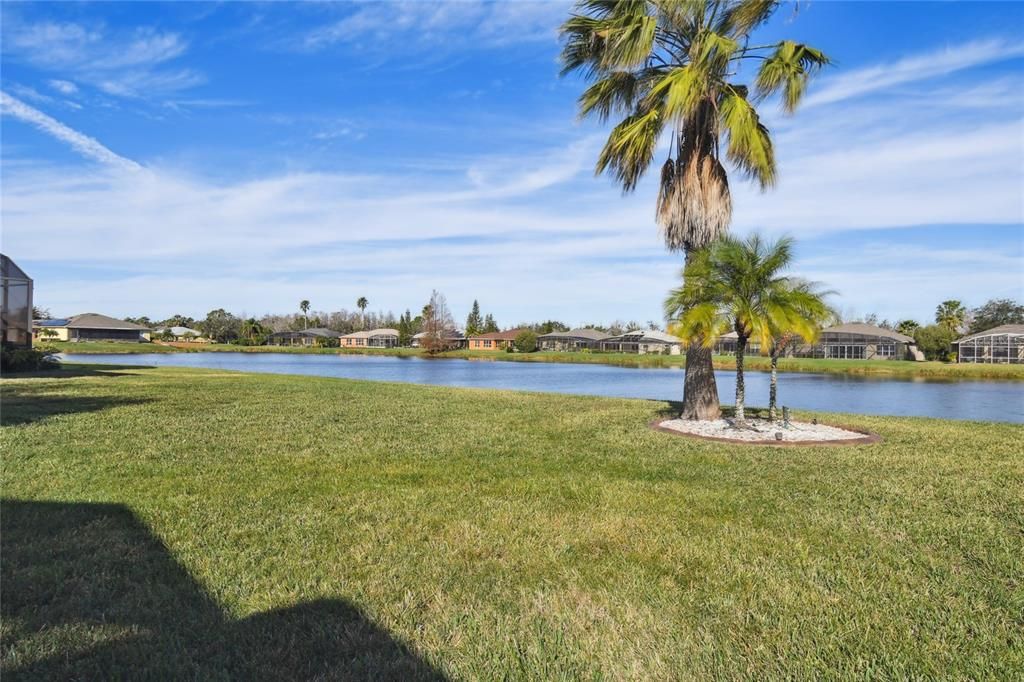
[
  {"x": 643, "y": 342},
  {"x": 374, "y": 338},
  {"x": 572, "y": 340},
  {"x": 860, "y": 341}
]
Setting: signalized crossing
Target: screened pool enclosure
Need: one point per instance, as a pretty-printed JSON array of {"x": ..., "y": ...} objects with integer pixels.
[
  {"x": 1000, "y": 345},
  {"x": 16, "y": 315}
]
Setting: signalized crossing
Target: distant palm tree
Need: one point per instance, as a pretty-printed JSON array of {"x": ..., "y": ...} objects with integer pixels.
[
  {"x": 739, "y": 285},
  {"x": 672, "y": 68},
  {"x": 304, "y": 307},
  {"x": 361, "y": 304},
  {"x": 252, "y": 331},
  {"x": 951, "y": 315}
]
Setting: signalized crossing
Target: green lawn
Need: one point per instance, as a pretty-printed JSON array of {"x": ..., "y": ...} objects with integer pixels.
[
  {"x": 894, "y": 368},
  {"x": 202, "y": 524}
]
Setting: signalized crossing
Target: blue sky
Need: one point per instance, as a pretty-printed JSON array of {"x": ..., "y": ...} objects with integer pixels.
[{"x": 162, "y": 159}]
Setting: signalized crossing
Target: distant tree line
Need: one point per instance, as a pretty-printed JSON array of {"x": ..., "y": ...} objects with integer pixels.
[{"x": 951, "y": 321}]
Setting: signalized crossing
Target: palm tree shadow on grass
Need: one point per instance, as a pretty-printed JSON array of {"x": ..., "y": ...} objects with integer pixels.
[
  {"x": 91, "y": 593},
  {"x": 29, "y": 402},
  {"x": 27, "y": 407},
  {"x": 672, "y": 408}
]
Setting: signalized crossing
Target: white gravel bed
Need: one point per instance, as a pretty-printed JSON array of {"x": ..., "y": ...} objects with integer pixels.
[{"x": 761, "y": 430}]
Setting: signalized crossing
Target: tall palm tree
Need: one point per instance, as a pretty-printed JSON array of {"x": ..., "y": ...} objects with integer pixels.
[
  {"x": 673, "y": 68},
  {"x": 739, "y": 284},
  {"x": 361, "y": 304},
  {"x": 951, "y": 314},
  {"x": 304, "y": 307}
]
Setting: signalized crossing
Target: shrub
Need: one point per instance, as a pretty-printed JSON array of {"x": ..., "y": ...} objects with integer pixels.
[
  {"x": 526, "y": 341},
  {"x": 935, "y": 341},
  {"x": 27, "y": 359}
]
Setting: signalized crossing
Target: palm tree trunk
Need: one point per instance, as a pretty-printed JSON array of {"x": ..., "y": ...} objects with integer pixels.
[
  {"x": 700, "y": 392},
  {"x": 773, "y": 386},
  {"x": 741, "y": 347}
]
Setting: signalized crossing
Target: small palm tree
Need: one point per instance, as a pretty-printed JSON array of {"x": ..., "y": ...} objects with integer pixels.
[
  {"x": 361, "y": 304},
  {"x": 304, "y": 307},
  {"x": 739, "y": 284},
  {"x": 677, "y": 69},
  {"x": 813, "y": 313}
]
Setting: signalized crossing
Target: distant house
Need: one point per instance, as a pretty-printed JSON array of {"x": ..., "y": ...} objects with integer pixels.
[
  {"x": 860, "y": 341},
  {"x": 453, "y": 338},
  {"x": 303, "y": 337},
  {"x": 1000, "y": 345},
  {"x": 574, "y": 339},
  {"x": 726, "y": 345},
  {"x": 16, "y": 313},
  {"x": 493, "y": 340},
  {"x": 375, "y": 338},
  {"x": 643, "y": 342},
  {"x": 184, "y": 334},
  {"x": 93, "y": 327}
]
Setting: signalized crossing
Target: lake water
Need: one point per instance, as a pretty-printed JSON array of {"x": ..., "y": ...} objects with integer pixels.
[{"x": 956, "y": 399}]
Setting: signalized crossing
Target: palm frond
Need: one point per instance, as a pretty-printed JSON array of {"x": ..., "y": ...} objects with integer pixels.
[
  {"x": 788, "y": 69},
  {"x": 740, "y": 19},
  {"x": 630, "y": 148},
  {"x": 750, "y": 144}
]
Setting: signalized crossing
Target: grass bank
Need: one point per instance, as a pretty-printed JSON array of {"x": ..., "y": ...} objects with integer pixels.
[
  {"x": 195, "y": 523},
  {"x": 891, "y": 368}
]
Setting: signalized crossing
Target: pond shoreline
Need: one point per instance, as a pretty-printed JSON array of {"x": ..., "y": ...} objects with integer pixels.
[{"x": 875, "y": 368}]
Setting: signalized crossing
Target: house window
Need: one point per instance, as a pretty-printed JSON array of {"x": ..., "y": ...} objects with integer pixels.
[{"x": 487, "y": 343}]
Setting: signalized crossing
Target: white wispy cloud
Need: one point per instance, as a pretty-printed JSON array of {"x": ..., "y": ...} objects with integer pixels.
[
  {"x": 511, "y": 226},
  {"x": 862, "y": 81},
  {"x": 81, "y": 143},
  {"x": 63, "y": 87},
  {"x": 132, "y": 63},
  {"x": 473, "y": 24}
]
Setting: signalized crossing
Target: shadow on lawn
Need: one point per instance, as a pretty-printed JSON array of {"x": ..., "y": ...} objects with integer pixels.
[
  {"x": 671, "y": 409},
  {"x": 90, "y": 593},
  {"x": 26, "y": 407},
  {"x": 28, "y": 402}
]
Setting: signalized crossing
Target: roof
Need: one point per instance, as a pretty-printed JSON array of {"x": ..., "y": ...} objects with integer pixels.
[
  {"x": 1011, "y": 329},
  {"x": 867, "y": 330},
  {"x": 315, "y": 331},
  {"x": 10, "y": 270},
  {"x": 322, "y": 331},
  {"x": 93, "y": 321},
  {"x": 448, "y": 334},
  {"x": 582, "y": 333},
  {"x": 55, "y": 322},
  {"x": 181, "y": 331},
  {"x": 370, "y": 333},
  {"x": 648, "y": 335},
  {"x": 509, "y": 335}
]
